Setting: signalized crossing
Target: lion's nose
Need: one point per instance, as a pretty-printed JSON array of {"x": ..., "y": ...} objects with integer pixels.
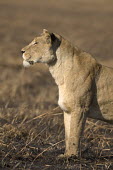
[{"x": 22, "y": 51}]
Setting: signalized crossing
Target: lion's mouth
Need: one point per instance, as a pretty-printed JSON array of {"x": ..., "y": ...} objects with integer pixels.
[
  {"x": 31, "y": 62},
  {"x": 27, "y": 63}
]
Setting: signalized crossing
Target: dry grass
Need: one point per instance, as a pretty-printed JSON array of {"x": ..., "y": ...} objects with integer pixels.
[
  {"x": 31, "y": 131},
  {"x": 36, "y": 141}
]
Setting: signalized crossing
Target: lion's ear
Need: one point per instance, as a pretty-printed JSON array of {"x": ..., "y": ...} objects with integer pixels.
[
  {"x": 47, "y": 36},
  {"x": 45, "y": 31},
  {"x": 53, "y": 38},
  {"x": 50, "y": 37}
]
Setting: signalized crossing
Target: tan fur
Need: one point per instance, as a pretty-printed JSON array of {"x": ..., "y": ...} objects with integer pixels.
[{"x": 85, "y": 87}]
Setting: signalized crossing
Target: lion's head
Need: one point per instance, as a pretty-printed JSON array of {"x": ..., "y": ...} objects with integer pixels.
[{"x": 42, "y": 49}]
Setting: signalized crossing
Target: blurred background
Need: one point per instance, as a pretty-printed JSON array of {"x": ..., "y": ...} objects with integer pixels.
[
  {"x": 26, "y": 93},
  {"x": 87, "y": 24}
]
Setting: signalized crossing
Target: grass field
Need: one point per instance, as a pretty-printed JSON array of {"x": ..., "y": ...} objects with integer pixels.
[{"x": 31, "y": 130}]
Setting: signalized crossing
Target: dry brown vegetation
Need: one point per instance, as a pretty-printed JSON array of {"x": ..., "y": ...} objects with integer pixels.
[{"x": 31, "y": 131}]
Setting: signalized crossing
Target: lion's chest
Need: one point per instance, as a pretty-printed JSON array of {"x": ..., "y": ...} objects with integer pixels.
[
  {"x": 63, "y": 101},
  {"x": 62, "y": 104}
]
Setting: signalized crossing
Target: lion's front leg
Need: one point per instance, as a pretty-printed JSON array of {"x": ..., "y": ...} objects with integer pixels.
[
  {"x": 67, "y": 121},
  {"x": 74, "y": 127}
]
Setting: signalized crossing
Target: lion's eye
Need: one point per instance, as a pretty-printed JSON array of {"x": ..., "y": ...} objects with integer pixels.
[{"x": 35, "y": 43}]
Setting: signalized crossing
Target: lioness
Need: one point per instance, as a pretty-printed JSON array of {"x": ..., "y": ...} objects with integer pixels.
[{"x": 85, "y": 86}]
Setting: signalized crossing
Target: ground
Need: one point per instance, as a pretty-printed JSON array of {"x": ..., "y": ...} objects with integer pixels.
[{"x": 31, "y": 131}]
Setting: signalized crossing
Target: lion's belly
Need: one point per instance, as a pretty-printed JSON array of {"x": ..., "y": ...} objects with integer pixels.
[
  {"x": 103, "y": 112},
  {"x": 102, "y": 105}
]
